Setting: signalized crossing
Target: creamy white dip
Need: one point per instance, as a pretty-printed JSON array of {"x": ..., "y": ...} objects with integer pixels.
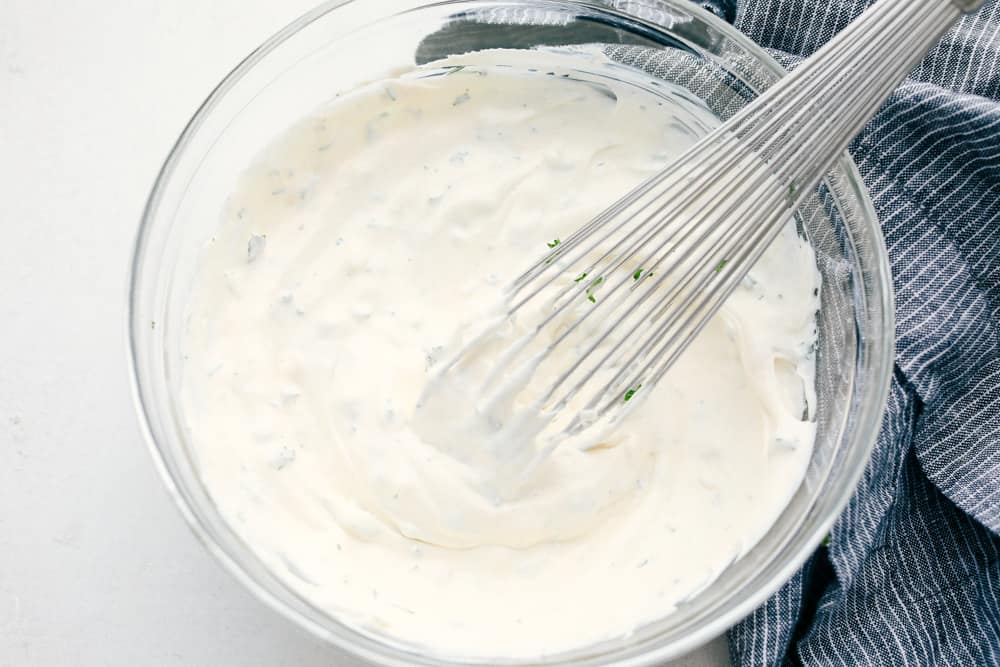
[{"x": 351, "y": 258}]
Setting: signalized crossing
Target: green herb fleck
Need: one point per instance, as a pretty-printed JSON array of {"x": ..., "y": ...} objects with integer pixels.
[
  {"x": 152, "y": 324},
  {"x": 721, "y": 265},
  {"x": 582, "y": 276},
  {"x": 554, "y": 243},
  {"x": 590, "y": 288},
  {"x": 792, "y": 190},
  {"x": 631, "y": 392},
  {"x": 637, "y": 274},
  {"x": 826, "y": 541}
]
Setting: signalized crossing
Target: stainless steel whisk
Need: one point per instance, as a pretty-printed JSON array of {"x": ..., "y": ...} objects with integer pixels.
[{"x": 696, "y": 240}]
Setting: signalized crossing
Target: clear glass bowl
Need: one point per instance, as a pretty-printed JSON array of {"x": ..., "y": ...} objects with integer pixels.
[{"x": 340, "y": 44}]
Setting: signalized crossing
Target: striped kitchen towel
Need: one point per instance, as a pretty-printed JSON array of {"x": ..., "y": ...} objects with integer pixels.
[{"x": 911, "y": 574}]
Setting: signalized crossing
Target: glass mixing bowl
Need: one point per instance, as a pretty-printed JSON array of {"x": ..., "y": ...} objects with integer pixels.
[{"x": 341, "y": 44}]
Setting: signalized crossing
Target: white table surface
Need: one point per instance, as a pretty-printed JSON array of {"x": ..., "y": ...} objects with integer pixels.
[{"x": 96, "y": 565}]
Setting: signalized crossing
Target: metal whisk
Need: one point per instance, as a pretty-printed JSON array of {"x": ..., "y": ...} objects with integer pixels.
[{"x": 696, "y": 239}]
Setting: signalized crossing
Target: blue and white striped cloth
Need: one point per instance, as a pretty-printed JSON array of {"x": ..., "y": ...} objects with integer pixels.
[
  {"x": 911, "y": 575},
  {"x": 912, "y": 572}
]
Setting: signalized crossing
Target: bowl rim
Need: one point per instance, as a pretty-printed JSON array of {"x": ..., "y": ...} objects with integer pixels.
[{"x": 868, "y": 415}]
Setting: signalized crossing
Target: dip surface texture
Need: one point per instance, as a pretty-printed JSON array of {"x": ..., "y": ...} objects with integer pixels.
[{"x": 351, "y": 256}]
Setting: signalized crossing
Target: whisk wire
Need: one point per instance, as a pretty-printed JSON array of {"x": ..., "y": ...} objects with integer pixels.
[
  {"x": 701, "y": 312},
  {"x": 693, "y": 240}
]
